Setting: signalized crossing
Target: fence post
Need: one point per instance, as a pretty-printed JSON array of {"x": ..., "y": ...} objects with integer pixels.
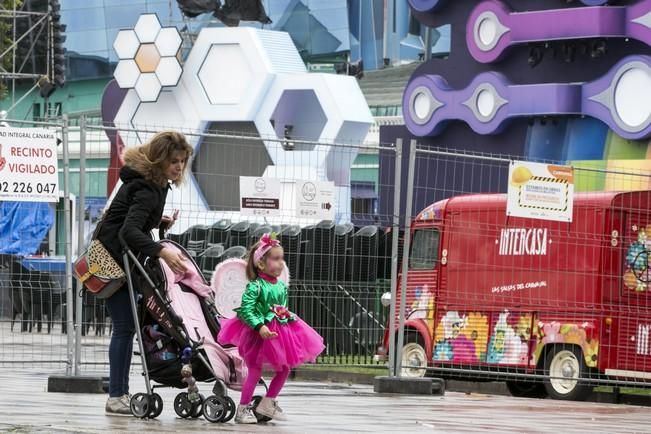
[
  {"x": 394, "y": 257},
  {"x": 405, "y": 255},
  {"x": 67, "y": 225},
  {"x": 81, "y": 199}
]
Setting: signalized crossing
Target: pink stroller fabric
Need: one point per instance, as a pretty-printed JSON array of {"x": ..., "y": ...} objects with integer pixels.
[{"x": 187, "y": 306}]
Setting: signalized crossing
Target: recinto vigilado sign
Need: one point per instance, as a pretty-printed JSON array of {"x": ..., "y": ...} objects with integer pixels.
[{"x": 28, "y": 165}]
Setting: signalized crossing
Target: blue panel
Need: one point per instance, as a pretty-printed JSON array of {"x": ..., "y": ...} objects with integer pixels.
[
  {"x": 371, "y": 37},
  {"x": 586, "y": 139},
  {"x": 80, "y": 4},
  {"x": 88, "y": 42},
  {"x": 23, "y": 225},
  {"x": 83, "y": 19},
  {"x": 545, "y": 142},
  {"x": 125, "y": 16}
]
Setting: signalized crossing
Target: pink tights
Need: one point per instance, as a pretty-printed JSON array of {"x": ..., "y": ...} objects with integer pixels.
[{"x": 255, "y": 373}]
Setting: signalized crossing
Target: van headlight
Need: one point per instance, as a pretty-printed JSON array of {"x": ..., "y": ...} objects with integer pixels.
[{"x": 386, "y": 299}]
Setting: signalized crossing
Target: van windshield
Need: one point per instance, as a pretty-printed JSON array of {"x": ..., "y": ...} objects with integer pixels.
[{"x": 424, "y": 250}]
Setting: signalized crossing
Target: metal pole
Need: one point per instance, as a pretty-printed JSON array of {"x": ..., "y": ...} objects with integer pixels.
[
  {"x": 405, "y": 255},
  {"x": 13, "y": 60},
  {"x": 81, "y": 198},
  {"x": 68, "y": 250},
  {"x": 13, "y": 106},
  {"x": 385, "y": 39},
  {"x": 428, "y": 43},
  {"x": 126, "y": 256},
  {"x": 394, "y": 257}
]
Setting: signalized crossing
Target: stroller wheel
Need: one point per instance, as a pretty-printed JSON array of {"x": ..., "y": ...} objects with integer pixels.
[
  {"x": 197, "y": 408},
  {"x": 182, "y": 405},
  {"x": 215, "y": 408},
  {"x": 230, "y": 411},
  {"x": 156, "y": 407},
  {"x": 256, "y": 401},
  {"x": 140, "y": 405}
]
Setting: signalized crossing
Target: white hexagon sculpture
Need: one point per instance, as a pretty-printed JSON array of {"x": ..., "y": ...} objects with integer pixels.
[
  {"x": 347, "y": 120},
  {"x": 153, "y": 51},
  {"x": 147, "y": 28},
  {"x": 229, "y": 70},
  {"x": 244, "y": 75},
  {"x": 168, "y": 41},
  {"x": 168, "y": 71},
  {"x": 126, "y": 73},
  {"x": 126, "y": 44}
]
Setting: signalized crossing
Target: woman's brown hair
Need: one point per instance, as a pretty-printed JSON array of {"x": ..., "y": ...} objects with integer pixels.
[{"x": 152, "y": 158}]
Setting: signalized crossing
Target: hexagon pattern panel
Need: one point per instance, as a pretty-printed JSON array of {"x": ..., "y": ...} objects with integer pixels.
[
  {"x": 239, "y": 76},
  {"x": 148, "y": 58}
]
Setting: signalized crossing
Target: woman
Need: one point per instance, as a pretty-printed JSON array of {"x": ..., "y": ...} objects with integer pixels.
[{"x": 137, "y": 209}]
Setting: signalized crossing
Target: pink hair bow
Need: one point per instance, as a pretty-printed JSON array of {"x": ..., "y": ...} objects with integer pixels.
[{"x": 267, "y": 242}]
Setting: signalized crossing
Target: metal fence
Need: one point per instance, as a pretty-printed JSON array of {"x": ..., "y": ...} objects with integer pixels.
[
  {"x": 339, "y": 270},
  {"x": 36, "y": 294},
  {"x": 549, "y": 307}
]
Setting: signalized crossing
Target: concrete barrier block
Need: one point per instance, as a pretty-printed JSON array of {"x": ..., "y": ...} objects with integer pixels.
[
  {"x": 70, "y": 384},
  {"x": 409, "y": 386}
]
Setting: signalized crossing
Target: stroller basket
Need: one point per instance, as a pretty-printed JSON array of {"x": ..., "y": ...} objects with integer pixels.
[{"x": 163, "y": 357}]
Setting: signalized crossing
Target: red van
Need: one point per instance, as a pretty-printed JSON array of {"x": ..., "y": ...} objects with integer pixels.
[{"x": 492, "y": 295}]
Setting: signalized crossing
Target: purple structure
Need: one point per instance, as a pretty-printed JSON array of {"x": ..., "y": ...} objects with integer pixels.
[
  {"x": 617, "y": 99},
  {"x": 432, "y": 5},
  {"x": 490, "y": 100},
  {"x": 530, "y": 137},
  {"x": 493, "y": 26},
  {"x": 425, "y": 5},
  {"x": 621, "y": 98}
]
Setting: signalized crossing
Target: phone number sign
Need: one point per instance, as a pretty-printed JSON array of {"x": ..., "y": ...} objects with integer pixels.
[{"x": 29, "y": 169}]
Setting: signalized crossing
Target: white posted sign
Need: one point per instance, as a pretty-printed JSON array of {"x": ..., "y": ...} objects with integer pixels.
[
  {"x": 540, "y": 191},
  {"x": 315, "y": 200},
  {"x": 259, "y": 196},
  {"x": 28, "y": 165}
]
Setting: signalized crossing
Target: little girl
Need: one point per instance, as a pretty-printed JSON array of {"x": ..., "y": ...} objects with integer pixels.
[{"x": 266, "y": 333}]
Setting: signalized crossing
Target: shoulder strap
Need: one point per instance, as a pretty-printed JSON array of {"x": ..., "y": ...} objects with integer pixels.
[{"x": 97, "y": 228}]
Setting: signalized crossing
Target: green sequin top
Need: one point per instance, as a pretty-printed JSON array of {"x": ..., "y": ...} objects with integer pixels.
[{"x": 262, "y": 302}]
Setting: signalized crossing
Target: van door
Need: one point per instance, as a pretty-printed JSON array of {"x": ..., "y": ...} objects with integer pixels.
[
  {"x": 633, "y": 344},
  {"x": 423, "y": 276}
]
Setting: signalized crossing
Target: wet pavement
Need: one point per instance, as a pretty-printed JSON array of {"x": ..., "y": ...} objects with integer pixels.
[{"x": 26, "y": 406}]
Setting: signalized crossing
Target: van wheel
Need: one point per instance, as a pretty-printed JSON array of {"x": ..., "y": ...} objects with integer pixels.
[
  {"x": 526, "y": 389},
  {"x": 414, "y": 357},
  {"x": 565, "y": 366}
]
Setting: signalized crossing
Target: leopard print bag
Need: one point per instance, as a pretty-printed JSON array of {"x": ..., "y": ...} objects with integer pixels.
[{"x": 98, "y": 272}]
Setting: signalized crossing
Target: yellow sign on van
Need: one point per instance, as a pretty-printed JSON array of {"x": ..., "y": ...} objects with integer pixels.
[{"x": 540, "y": 191}]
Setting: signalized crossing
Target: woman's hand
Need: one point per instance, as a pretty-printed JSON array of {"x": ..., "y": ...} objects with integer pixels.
[
  {"x": 166, "y": 222},
  {"x": 175, "y": 260},
  {"x": 265, "y": 333}
]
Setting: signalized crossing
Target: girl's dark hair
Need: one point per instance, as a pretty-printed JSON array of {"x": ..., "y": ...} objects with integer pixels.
[{"x": 251, "y": 269}]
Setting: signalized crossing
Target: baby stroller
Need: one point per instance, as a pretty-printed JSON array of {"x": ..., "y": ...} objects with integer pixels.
[{"x": 177, "y": 324}]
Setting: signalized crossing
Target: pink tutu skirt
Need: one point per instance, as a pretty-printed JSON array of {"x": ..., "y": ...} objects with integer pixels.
[{"x": 297, "y": 343}]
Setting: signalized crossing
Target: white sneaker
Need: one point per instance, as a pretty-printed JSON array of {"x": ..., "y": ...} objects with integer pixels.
[
  {"x": 126, "y": 398},
  {"x": 118, "y": 406},
  {"x": 270, "y": 408},
  {"x": 245, "y": 414}
]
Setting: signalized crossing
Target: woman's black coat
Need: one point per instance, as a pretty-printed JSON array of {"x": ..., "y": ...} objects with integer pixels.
[{"x": 136, "y": 209}]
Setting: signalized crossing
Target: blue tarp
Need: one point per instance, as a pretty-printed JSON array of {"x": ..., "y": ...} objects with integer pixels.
[{"x": 23, "y": 226}]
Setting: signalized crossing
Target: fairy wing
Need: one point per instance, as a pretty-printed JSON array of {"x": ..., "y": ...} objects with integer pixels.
[
  {"x": 229, "y": 282},
  {"x": 284, "y": 276}
]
